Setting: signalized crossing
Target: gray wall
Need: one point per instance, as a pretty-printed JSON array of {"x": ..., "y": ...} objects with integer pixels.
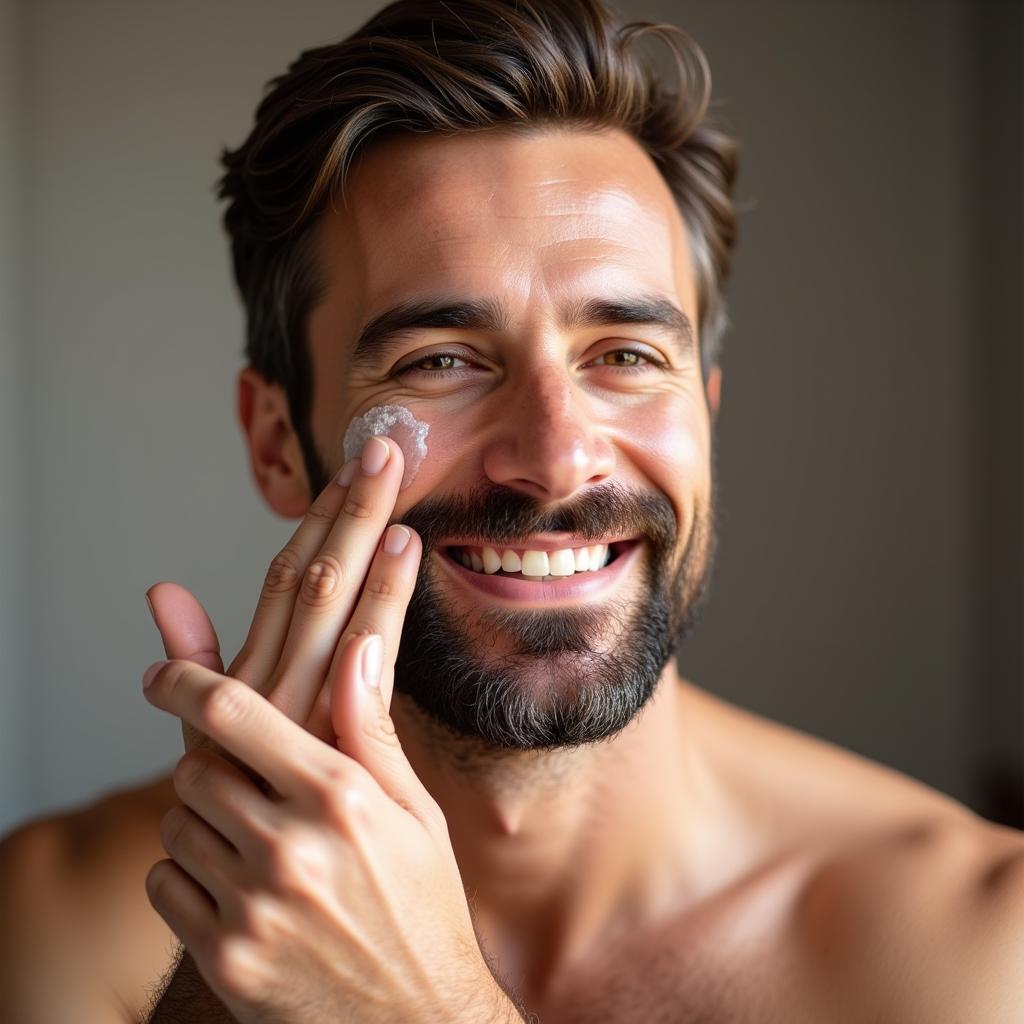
[
  {"x": 14, "y": 454},
  {"x": 848, "y": 599}
]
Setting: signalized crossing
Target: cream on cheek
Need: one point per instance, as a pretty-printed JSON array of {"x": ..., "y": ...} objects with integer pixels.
[{"x": 396, "y": 422}]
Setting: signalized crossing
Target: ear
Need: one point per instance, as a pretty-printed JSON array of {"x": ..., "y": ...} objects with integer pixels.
[
  {"x": 275, "y": 454},
  {"x": 714, "y": 392}
]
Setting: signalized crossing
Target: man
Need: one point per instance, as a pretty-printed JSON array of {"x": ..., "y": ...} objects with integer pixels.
[{"x": 454, "y": 774}]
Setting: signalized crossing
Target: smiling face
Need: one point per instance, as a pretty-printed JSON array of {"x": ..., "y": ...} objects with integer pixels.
[{"x": 531, "y": 298}]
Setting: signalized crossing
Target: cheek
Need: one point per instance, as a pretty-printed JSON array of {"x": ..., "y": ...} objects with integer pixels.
[
  {"x": 672, "y": 438},
  {"x": 450, "y": 448},
  {"x": 394, "y": 421}
]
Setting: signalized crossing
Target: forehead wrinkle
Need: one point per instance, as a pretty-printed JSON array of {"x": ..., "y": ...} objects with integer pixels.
[{"x": 426, "y": 216}]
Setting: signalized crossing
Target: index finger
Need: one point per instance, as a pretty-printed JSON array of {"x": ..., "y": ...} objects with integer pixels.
[{"x": 261, "y": 651}]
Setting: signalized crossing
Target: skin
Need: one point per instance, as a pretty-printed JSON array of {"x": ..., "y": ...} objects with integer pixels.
[
  {"x": 752, "y": 872},
  {"x": 541, "y": 220}
]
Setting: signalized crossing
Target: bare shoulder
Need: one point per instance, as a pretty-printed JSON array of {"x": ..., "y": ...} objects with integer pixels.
[
  {"x": 921, "y": 921},
  {"x": 807, "y": 789},
  {"x": 910, "y": 908},
  {"x": 74, "y": 911}
]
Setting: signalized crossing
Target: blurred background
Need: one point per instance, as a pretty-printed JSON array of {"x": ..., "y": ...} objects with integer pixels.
[{"x": 869, "y": 580}]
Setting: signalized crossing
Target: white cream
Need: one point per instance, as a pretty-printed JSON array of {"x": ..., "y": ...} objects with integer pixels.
[{"x": 396, "y": 422}]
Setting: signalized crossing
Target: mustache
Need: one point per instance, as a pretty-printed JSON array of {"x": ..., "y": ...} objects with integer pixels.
[{"x": 507, "y": 516}]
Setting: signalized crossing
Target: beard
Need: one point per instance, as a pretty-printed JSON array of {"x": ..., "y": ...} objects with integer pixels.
[
  {"x": 543, "y": 679},
  {"x": 565, "y": 676}
]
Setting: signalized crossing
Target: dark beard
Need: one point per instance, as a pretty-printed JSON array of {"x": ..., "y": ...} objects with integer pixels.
[
  {"x": 599, "y": 666},
  {"x": 573, "y": 675}
]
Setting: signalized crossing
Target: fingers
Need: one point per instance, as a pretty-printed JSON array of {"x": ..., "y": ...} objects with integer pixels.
[
  {"x": 202, "y": 852},
  {"x": 244, "y": 723},
  {"x": 364, "y": 729},
  {"x": 227, "y": 800},
  {"x": 186, "y": 907},
  {"x": 381, "y": 609},
  {"x": 332, "y": 583},
  {"x": 185, "y": 628},
  {"x": 261, "y": 651}
]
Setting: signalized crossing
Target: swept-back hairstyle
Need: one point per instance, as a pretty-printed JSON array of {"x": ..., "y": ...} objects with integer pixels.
[{"x": 451, "y": 67}]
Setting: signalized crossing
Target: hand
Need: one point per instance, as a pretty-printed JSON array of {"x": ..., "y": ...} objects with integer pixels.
[
  {"x": 337, "y": 891},
  {"x": 294, "y": 633},
  {"x": 336, "y": 896}
]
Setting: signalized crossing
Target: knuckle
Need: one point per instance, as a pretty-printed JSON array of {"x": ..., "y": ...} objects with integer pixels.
[
  {"x": 321, "y": 580},
  {"x": 237, "y": 969},
  {"x": 355, "y": 509},
  {"x": 298, "y": 863},
  {"x": 172, "y": 825},
  {"x": 363, "y": 625},
  {"x": 382, "y": 730},
  {"x": 347, "y": 807},
  {"x": 283, "y": 572},
  {"x": 248, "y": 916},
  {"x": 384, "y": 589},
  {"x": 157, "y": 879},
  {"x": 318, "y": 512},
  {"x": 189, "y": 771},
  {"x": 337, "y": 775},
  {"x": 267, "y": 921},
  {"x": 172, "y": 674},
  {"x": 339, "y": 799},
  {"x": 223, "y": 704}
]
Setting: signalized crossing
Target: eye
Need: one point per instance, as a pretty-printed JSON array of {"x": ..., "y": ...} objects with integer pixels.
[
  {"x": 629, "y": 359},
  {"x": 454, "y": 364},
  {"x": 437, "y": 364}
]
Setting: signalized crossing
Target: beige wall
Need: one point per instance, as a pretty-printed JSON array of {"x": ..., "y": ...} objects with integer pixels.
[{"x": 842, "y": 593}]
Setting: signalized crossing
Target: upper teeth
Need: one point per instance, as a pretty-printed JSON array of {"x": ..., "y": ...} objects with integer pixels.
[{"x": 563, "y": 562}]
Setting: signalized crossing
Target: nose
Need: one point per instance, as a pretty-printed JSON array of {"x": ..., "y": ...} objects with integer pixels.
[{"x": 545, "y": 441}]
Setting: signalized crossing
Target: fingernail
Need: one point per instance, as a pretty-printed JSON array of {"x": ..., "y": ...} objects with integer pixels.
[
  {"x": 347, "y": 473},
  {"x": 396, "y": 539},
  {"x": 150, "y": 674},
  {"x": 375, "y": 456},
  {"x": 372, "y": 660},
  {"x": 149, "y": 604}
]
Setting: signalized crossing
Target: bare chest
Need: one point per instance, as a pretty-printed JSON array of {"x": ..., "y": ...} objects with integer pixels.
[
  {"x": 742, "y": 959},
  {"x": 664, "y": 986}
]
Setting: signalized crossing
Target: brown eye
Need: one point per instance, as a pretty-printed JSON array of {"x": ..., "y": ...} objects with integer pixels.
[
  {"x": 437, "y": 364},
  {"x": 630, "y": 360},
  {"x": 622, "y": 357}
]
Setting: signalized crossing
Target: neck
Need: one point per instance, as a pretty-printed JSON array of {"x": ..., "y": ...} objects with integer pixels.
[{"x": 545, "y": 874}]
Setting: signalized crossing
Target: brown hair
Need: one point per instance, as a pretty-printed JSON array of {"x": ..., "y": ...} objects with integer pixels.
[{"x": 450, "y": 67}]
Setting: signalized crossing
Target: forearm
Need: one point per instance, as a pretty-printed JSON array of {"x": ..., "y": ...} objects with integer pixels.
[{"x": 187, "y": 998}]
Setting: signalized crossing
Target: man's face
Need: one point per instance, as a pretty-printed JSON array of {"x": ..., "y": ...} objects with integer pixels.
[{"x": 565, "y": 408}]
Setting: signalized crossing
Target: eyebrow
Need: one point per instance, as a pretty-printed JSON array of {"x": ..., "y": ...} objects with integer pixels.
[{"x": 387, "y": 330}]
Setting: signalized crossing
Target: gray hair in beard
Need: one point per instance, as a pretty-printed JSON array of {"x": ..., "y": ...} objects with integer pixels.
[{"x": 596, "y": 687}]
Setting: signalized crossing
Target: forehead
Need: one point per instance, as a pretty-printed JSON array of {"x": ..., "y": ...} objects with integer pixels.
[{"x": 532, "y": 220}]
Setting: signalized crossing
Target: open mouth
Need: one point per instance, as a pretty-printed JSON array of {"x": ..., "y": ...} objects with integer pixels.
[
  {"x": 531, "y": 564},
  {"x": 542, "y": 571}
]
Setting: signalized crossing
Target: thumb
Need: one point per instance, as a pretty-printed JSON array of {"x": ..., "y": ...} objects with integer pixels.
[
  {"x": 184, "y": 626},
  {"x": 363, "y": 727},
  {"x": 188, "y": 634}
]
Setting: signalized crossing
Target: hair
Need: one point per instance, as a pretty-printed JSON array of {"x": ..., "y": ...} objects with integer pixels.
[{"x": 450, "y": 67}]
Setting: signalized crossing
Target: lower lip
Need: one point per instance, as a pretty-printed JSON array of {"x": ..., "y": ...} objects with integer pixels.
[{"x": 577, "y": 587}]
